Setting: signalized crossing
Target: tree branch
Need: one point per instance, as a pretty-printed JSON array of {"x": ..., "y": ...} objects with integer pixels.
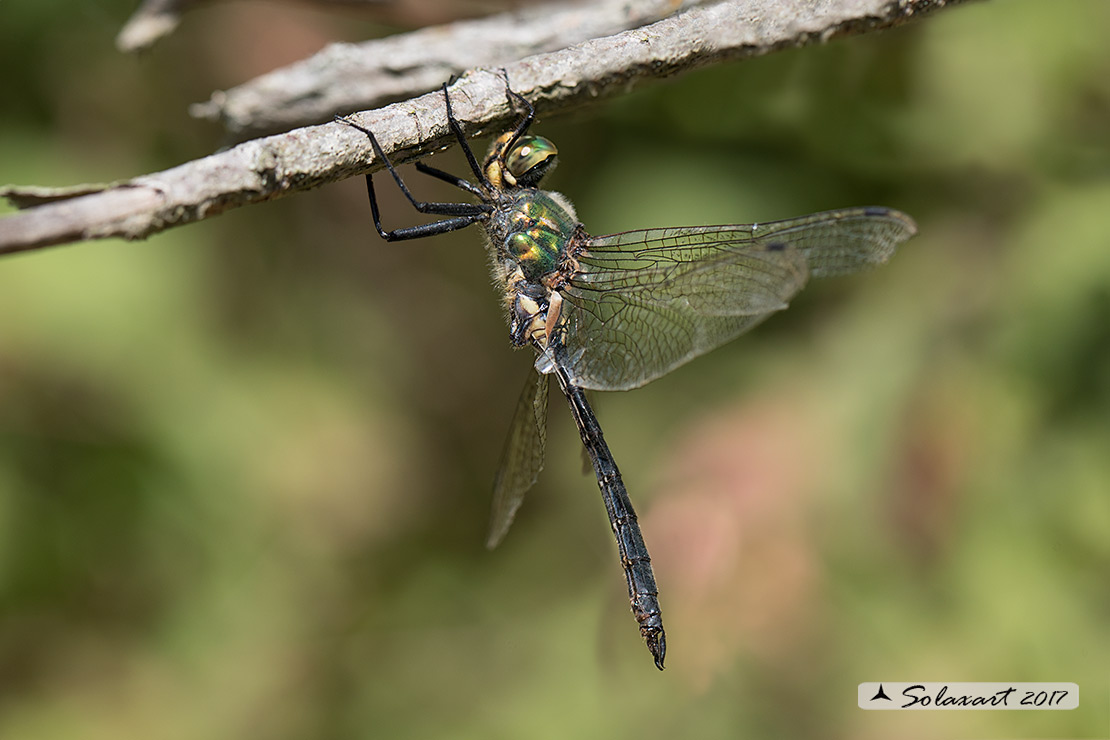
[
  {"x": 346, "y": 77},
  {"x": 155, "y": 19},
  {"x": 275, "y": 166}
]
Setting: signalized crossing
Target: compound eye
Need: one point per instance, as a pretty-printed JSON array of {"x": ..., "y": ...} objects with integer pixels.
[{"x": 530, "y": 153}]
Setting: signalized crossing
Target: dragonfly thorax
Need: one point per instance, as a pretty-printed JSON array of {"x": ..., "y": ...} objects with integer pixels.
[
  {"x": 531, "y": 229},
  {"x": 529, "y": 232}
]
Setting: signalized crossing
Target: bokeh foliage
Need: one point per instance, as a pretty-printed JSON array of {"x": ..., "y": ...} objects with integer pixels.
[{"x": 245, "y": 466}]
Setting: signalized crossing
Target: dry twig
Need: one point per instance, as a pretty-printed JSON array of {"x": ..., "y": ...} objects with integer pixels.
[
  {"x": 269, "y": 168},
  {"x": 156, "y": 19},
  {"x": 347, "y": 77}
]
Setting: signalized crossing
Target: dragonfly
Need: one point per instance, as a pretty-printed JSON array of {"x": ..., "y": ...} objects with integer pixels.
[{"x": 611, "y": 313}]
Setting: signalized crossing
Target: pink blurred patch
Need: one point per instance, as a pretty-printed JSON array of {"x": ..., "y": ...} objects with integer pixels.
[
  {"x": 729, "y": 537},
  {"x": 937, "y": 439}
]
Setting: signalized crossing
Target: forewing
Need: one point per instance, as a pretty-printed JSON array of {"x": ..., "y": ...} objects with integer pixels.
[
  {"x": 642, "y": 306},
  {"x": 841, "y": 242},
  {"x": 522, "y": 459},
  {"x": 644, "y": 302}
]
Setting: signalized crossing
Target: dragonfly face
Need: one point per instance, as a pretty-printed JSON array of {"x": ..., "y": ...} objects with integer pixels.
[
  {"x": 615, "y": 312},
  {"x": 520, "y": 162}
]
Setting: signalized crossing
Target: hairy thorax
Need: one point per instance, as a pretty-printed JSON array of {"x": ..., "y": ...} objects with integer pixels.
[{"x": 530, "y": 237}]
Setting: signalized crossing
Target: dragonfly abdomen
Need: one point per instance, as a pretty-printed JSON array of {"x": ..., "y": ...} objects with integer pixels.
[{"x": 643, "y": 594}]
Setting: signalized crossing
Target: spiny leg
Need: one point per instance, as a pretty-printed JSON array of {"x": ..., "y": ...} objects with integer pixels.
[
  {"x": 450, "y": 179},
  {"x": 435, "y": 228},
  {"x": 529, "y": 112},
  {"x": 442, "y": 209},
  {"x": 456, "y": 128},
  {"x": 465, "y": 213}
]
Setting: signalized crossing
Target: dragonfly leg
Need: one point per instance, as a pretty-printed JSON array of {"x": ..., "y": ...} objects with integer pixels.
[
  {"x": 464, "y": 214},
  {"x": 529, "y": 112},
  {"x": 418, "y": 232},
  {"x": 447, "y": 177},
  {"x": 456, "y": 129}
]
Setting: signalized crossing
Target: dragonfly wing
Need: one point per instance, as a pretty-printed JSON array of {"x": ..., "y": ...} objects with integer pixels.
[
  {"x": 644, "y": 302},
  {"x": 842, "y": 242},
  {"x": 522, "y": 459}
]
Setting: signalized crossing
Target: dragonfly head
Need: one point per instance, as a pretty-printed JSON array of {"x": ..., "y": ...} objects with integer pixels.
[{"x": 523, "y": 165}]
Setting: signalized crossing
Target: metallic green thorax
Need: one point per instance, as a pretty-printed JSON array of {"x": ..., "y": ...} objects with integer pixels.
[{"x": 533, "y": 229}]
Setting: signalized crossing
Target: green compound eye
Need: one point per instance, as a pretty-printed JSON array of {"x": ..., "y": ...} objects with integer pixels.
[{"x": 528, "y": 154}]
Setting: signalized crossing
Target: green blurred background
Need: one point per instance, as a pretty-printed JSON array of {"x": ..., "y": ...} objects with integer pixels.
[{"x": 245, "y": 465}]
